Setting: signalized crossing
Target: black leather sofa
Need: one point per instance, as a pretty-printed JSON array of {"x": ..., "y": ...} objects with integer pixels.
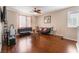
[
  {"x": 25, "y": 31},
  {"x": 45, "y": 30}
]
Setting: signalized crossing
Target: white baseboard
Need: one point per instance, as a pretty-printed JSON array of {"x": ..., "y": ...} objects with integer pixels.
[{"x": 70, "y": 39}]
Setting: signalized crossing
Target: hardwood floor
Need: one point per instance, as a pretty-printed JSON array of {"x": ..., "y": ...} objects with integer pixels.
[{"x": 41, "y": 44}]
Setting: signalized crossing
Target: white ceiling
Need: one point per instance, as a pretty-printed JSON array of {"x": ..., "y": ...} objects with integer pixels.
[{"x": 29, "y": 9}]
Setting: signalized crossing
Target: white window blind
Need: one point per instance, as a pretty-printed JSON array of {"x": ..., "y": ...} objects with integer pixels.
[
  {"x": 28, "y": 21},
  {"x": 24, "y": 21}
]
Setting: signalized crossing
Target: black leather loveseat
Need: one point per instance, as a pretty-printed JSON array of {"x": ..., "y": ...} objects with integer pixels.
[{"x": 25, "y": 31}]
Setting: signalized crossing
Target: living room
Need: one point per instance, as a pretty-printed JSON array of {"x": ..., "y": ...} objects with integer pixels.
[{"x": 50, "y": 21}]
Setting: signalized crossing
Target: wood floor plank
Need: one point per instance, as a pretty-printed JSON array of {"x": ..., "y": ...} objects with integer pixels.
[{"x": 41, "y": 44}]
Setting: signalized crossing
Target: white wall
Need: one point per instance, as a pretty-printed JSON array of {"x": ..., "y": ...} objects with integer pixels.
[
  {"x": 59, "y": 22},
  {"x": 34, "y": 22},
  {"x": 41, "y": 22},
  {"x": 12, "y": 18}
]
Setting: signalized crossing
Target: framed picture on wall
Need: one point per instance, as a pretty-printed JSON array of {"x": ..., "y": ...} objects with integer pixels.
[{"x": 47, "y": 19}]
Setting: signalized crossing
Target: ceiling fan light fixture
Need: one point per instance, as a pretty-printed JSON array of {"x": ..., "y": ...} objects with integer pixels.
[{"x": 35, "y": 13}]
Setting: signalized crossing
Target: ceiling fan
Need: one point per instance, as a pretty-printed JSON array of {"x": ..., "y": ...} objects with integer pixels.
[{"x": 38, "y": 11}]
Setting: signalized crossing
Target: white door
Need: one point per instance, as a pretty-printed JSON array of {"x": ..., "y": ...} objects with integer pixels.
[{"x": 78, "y": 39}]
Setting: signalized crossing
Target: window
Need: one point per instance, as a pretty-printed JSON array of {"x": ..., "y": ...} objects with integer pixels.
[
  {"x": 73, "y": 19},
  {"x": 28, "y": 22},
  {"x": 24, "y": 21}
]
